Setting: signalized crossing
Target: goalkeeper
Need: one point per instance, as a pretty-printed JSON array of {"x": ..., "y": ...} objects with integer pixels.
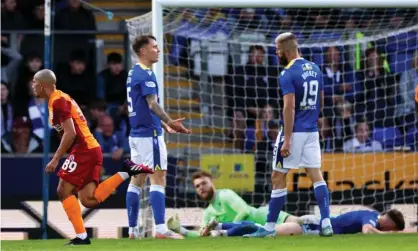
[{"x": 225, "y": 211}]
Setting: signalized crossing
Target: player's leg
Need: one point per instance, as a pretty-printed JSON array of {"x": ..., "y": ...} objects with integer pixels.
[
  {"x": 91, "y": 195},
  {"x": 311, "y": 161},
  {"x": 235, "y": 229},
  {"x": 289, "y": 228},
  {"x": 71, "y": 206},
  {"x": 157, "y": 189},
  {"x": 133, "y": 200},
  {"x": 140, "y": 148}
]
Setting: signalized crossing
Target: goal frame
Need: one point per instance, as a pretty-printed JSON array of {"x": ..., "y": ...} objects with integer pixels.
[{"x": 158, "y": 5}]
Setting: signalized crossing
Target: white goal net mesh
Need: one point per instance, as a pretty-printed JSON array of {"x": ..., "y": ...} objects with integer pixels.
[{"x": 221, "y": 74}]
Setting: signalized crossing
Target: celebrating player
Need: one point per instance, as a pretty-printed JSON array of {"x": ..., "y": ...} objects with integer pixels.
[
  {"x": 297, "y": 144},
  {"x": 146, "y": 118},
  {"x": 81, "y": 170},
  {"x": 226, "y": 211}
]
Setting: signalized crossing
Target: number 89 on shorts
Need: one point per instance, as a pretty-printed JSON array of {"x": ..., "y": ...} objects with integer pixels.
[{"x": 69, "y": 165}]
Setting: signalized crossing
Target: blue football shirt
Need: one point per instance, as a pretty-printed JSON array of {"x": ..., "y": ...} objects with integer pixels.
[
  {"x": 304, "y": 79},
  {"x": 140, "y": 83},
  {"x": 353, "y": 222}
]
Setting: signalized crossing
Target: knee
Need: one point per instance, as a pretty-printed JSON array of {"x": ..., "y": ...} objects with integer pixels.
[
  {"x": 62, "y": 195},
  {"x": 88, "y": 202},
  {"x": 278, "y": 178},
  {"x": 158, "y": 178},
  {"x": 139, "y": 180}
]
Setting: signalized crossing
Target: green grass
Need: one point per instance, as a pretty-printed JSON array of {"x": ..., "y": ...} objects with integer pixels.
[{"x": 397, "y": 242}]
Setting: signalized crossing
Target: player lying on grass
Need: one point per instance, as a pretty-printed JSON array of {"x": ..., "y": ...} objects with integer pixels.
[
  {"x": 225, "y": 206},
  {"x": 81, "y": 170},
  {"x": 360, "y": 221}
]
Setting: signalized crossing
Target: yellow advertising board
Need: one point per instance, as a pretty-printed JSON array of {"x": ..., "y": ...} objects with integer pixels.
[
  {"x": 363, "y": 171},
  {"x": 233, "y": 171}
]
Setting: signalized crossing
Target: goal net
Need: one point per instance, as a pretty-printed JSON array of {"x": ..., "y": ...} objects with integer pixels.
[{"x": 221, "y": 74}]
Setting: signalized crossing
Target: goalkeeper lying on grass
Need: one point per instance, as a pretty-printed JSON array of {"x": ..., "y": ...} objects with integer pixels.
[{"x": 226, "y": 211}]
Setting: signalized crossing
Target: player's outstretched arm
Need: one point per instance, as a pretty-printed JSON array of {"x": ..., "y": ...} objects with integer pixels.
[{"x": 176, "y": 125}]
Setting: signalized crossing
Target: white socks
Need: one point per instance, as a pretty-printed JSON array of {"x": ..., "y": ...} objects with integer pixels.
[{"x": 82, "y": 235}]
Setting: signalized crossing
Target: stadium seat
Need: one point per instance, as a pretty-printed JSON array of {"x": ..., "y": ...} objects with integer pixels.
[{"x": 388, "y": 136}]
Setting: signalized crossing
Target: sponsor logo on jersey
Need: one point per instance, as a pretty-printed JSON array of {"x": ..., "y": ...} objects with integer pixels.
[{"x": 150, "y": 84}]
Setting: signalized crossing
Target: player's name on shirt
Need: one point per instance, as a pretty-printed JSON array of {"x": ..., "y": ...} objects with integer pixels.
[{"x": 309, "y": 74}]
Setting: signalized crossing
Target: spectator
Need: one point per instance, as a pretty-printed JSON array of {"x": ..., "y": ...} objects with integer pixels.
[
  {"x": 10, "y": 60},
  {"x": 248, "y": 20},
  {"x": 36, "y": 112},
  {"x": 6, "y": 111},
  {"x": 112, "y": 83},
  {"x": 253, "y": 85},
  {"x": 31, "y": 64},
  {"x": 361, "y": 143},
  {"x": 342, "y": 124},
  {"x": 22, "y": 140},
  {"x": 238, "y": 129},
  {"x": 71, "y": 18},
  {"x": 11, "y": 18},
  {"x": 110, "y": 141},
  {"x": 97, "y": 110},
  {"x": 325, "y": 133},
  {"x": 75, "y": 80},
  {"x": 338, "y": 80},
  {"x": 34, "y": 43},
  {"x": 405, "y": 106},
  {"x": 378, "y": 90}
]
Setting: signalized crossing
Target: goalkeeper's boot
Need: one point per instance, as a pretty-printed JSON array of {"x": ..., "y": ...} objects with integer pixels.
[
  {"x": 173, "y": 223},
  {"x": 79, "y": 241},
  {"x": 212, "y": 224},
  {"x": 168, "y": 235},
  {"x": 133, "y": 233},
  {"x": 326, "y": 231},
  {"x": 133, "y": 169},
  {"x": 260, "y": 233}
]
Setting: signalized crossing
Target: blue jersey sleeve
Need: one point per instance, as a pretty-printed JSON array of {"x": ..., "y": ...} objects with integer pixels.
[
  {"x": 369, "y": 218},
  {"x": 141, "y": 79},
  {"x": 148, "y": 87},
  {"x": 286, "y": 82}
]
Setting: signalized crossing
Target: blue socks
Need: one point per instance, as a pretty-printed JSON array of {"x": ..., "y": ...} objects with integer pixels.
[
  {"x": 240, "y": 229},
  {"x": 322, "y": 198},
  {"x": 157, "y": 200},
  {"x": 278, "y": 198},
  {"x": 132, "y": 204}
]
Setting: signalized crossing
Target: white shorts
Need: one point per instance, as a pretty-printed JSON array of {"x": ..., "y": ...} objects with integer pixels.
[
  {"x": 305, "y": 151},
  {"x": 150, "y": 151}
]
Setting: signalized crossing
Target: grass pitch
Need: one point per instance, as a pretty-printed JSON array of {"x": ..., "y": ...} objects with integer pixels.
[{"x": 393, "y": 242}]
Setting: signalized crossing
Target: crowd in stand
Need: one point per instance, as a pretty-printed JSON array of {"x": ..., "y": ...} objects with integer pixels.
[
  {"x": 369, "y": 87},
  {"x": 364, "y": 98},
  {"x": 101, "y": 96}
]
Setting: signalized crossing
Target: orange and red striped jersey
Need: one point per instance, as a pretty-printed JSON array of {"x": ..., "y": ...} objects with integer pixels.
[{"x": 62, "y": 107}]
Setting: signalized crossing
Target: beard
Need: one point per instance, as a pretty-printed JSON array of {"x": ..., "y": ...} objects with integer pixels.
[
  {"x": 209, "y": 195},
  {"x": 283, "y": 61}
]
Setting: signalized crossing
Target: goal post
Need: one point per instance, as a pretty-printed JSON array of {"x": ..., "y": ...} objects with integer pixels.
[{"x": 203, "y": 75}]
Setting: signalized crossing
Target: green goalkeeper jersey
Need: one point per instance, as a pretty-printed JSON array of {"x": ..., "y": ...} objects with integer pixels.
[{"x": 228, "y": 206}]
